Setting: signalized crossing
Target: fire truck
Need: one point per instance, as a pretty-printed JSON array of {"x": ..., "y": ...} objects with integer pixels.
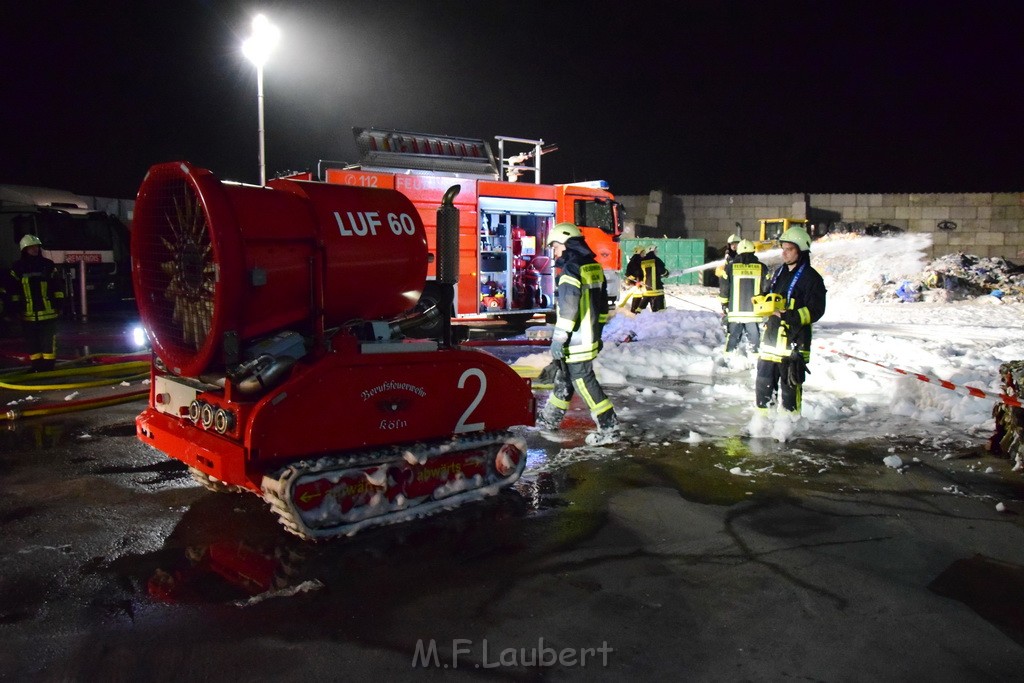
[
  {"x": 73, "y": 234},
  {"x": 506, "y": 269}
]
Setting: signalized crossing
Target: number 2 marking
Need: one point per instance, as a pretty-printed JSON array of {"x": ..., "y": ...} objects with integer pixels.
[{"x": 461, "y": 426}]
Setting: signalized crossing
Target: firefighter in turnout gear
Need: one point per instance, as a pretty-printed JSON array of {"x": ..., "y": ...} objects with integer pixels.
[
  {"x": 728, "y": 253},
  {"x": 744, "y": 278},
  {"x": 786, "y": 337},
  {"x": 635, "y": 279},
  {"x": 35, "y": 291},
  {"x": 581, "y": 311},
  {"x": 654, "y": 273}
]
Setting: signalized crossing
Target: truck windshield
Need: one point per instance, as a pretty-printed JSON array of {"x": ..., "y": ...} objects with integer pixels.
[
  {"x": 92, "y": 232},
  {"x": 597, "y": 213}
]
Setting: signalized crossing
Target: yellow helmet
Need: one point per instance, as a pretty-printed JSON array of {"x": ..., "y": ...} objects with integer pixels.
[
  {"x": 562, "y": 232},
  {"x": 639, "y": 250},
  {"x": 745, "y": 247},
  {"x": 30, "y": 241},
  {"x": 798, "y": 236},
  {"x": 733, "y": 238}
]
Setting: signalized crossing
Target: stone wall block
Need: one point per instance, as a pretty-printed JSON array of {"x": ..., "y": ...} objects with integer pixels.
[
  {"x": 881, "y": 214},
  {"x": 1009, "y": 211},
  {"x": 1004, "y": 225},
  {"x": 990, "y": 238},
  {"x": 963, "y": 212},
  {"x": 937, "y": 212}
]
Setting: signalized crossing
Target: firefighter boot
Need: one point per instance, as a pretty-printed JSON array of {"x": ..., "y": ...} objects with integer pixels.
[
  {"x": 608, "y": 430},
  {"x": 550, "y": 418}
]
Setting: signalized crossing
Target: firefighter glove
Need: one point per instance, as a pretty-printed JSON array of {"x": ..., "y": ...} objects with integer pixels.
[
  {"x": 795, "y": 369},
  {"x": 559, "y": 338}
]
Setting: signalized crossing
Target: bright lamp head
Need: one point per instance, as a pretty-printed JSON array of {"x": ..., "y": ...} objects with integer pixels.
[
  {"x": 139, "y": 338},
  {"x": 265, "y": 37}
]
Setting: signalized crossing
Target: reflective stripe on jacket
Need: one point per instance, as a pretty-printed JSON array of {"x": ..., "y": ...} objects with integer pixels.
[
  {"x": 742, "y": 280},
  {"x": 806, "y": 298},
  {"x": 35, "y": 288},
  {"x": 582, "y": 307},
  {"x": 654, "y": 270}
]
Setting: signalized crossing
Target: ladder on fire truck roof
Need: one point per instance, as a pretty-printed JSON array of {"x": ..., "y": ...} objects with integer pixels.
[
  {"x": 515, "y": 165},
  {"x": 396, "y": 151}
]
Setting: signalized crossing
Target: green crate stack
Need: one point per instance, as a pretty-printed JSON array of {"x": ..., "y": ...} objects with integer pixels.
[{"x": 678, "y": 255}]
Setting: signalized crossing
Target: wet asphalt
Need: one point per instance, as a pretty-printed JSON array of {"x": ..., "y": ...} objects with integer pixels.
[{"x": 647, "y": 560}]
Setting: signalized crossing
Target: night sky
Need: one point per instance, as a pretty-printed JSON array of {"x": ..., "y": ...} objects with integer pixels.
[{"x": 689, "y": 97}]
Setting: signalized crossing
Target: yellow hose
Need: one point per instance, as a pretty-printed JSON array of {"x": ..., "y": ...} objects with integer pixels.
[
  {"x": 114, "y": 372},
  {"x": 111, "y": 369},
  {"x": 73, "y": 406}
]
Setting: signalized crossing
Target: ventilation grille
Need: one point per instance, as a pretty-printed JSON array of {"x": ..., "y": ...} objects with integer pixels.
[{"x": 176, "y": 277}]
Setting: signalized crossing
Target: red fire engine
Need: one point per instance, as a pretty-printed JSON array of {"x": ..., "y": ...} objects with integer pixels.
[{"x": 506, "y": 270}]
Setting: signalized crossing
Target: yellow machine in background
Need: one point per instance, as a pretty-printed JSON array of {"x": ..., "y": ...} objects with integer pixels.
[{"x": 771, "y": 228}]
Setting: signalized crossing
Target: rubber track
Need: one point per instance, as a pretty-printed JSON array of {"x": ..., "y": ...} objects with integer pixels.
[{"x": 275, "y": 483}]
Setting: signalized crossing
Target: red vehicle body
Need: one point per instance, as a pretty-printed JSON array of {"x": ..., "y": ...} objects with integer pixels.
[
  {"x": 506, "y": 269},
  {"x": 280, "y": 362}
]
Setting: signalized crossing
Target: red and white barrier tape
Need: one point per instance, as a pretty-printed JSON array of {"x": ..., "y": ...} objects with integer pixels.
[{"x": 969, "y": 391}]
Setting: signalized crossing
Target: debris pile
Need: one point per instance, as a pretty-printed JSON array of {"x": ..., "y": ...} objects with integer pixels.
[
  {"x": 1008, "y": 440},
  {"x": 955, "y": 277},
  {"x": 858, "y": 228}
]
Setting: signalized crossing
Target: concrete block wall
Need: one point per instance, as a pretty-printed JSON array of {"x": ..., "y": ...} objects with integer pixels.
[
  {"x": 715, "y": 217},
  {"x": 659, "y": 210},
  {"x": 987, "y": 223}
]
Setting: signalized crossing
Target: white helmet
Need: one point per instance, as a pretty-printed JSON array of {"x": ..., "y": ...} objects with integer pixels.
[
  {"x": 797, "y": 236},
  {"x": 30, "y": 241},
  {"x": 563, "y": 232}
]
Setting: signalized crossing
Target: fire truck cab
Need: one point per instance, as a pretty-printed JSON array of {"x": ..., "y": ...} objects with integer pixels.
[
  {"x": 506, "y": 269},
  {"x": 72, "y": 233}
]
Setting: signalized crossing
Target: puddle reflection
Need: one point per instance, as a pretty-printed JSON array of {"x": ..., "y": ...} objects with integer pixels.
[{"x": 228, "y": 548}]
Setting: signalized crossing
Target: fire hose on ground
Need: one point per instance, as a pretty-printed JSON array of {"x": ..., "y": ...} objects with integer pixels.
[
  {"x": 124, "y": 371},
  {"x": 73, "y": 406},
  {"x": 115, "y": 369}
]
